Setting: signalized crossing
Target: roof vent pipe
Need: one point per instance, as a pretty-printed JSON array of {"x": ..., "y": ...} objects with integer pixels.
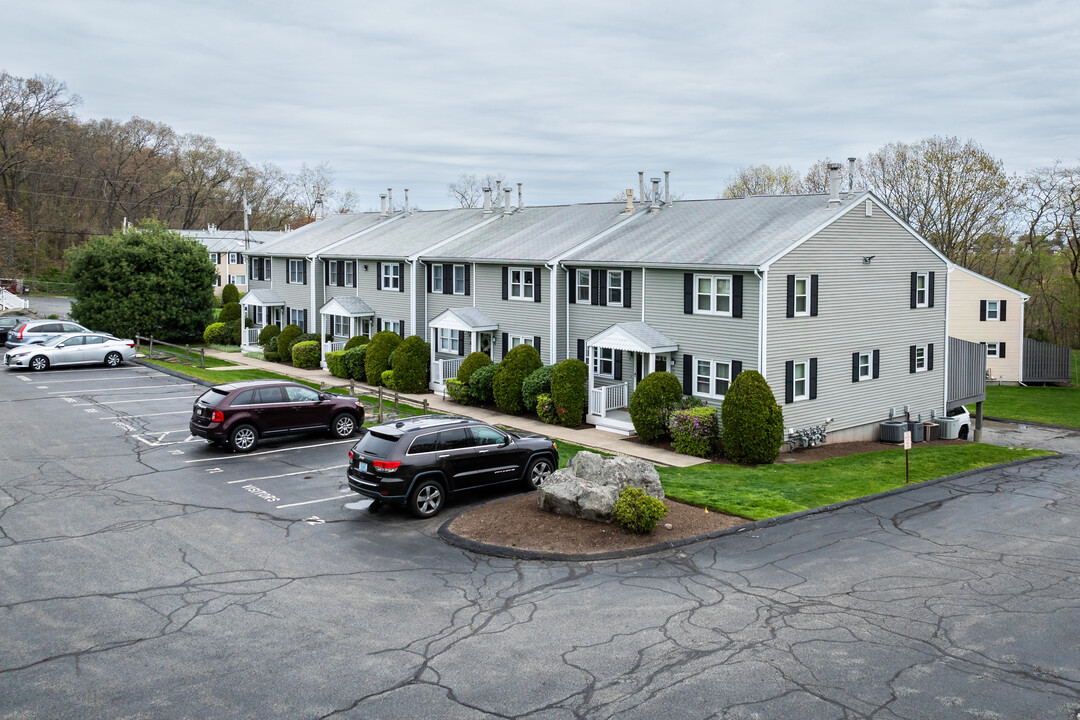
[
  {"x": 641, "y": 184},
  {"x": 629, "y": 200},
  {"x": 521, "y": 203},
  {"x": 319, "y": 208},
  {"x": 487, "y": 200},
  {"x": 834, "y": 184},
  {"x": 406, "y": 201},
  {"x": 498, "y": 194},
  {"x": 851, "y": 175},
  {"x": 667, "y": 187},
  {"x": 507, "y": 207},
  {"x": 655, "y": 193},
  {"x": 390, "y": 199},
  {"x": 382, "y": 197}
]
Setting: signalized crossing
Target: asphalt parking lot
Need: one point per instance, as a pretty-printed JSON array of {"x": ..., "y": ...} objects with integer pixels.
[{"x": 149, "y": 575}]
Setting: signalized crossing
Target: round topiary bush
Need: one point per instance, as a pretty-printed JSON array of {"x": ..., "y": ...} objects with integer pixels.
[
  {"x": 377, "y": 360},
  {"x": 538, "y": 381},
  {"x": 286, "y": 338},
  {"x": 353, "y": 360},
  {"x": 356, "y": 341},
  {"x": 752, "y": 421},
  {"x": 387, "y": 379},
  {"x": 651, "y": 404},
  {"x": 518, "y": 364},
  {"x": 335, "y": 363},
  {"x": 480, "y": 384},
  {"x": 268, "y": 333},
  {"x": 305, "y": 354},
  {"x": 411, "y": 361},
  {"x": 569, "y": 391},
  {"x": 638, "y": 511},
  {"x": 472, "y": 362},
  {"x": 214, "y": 334},
  {"x": 229, "y": 294},
  {"x": 229, "y": 311}
]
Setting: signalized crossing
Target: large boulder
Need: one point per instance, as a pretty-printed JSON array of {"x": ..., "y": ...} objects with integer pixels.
[{"x": 589, "y": 485}]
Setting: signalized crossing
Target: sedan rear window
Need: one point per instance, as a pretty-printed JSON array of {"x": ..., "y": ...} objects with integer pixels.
[
  {"x": 212, "y": 397},
  {"x": 378, "y": 445}
]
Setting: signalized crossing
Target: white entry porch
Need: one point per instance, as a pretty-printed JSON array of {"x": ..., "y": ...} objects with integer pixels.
[
  {"x": 259, "y": 308},
  {"x": 618, "y": 358},
  {"x": 454, "y": 334},
  {"x": 349, "y": 316}
]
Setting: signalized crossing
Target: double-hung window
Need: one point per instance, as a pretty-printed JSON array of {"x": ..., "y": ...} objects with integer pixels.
[
  {"x": 800, "y": 380},
  {"x": 236, "y": 258},
  {"x": 920, "y": 358},
  {"x": 298, "y": 318},
  {"x": 604, "y": 362},
  {"x": 341, "y": 326},
  {"x": 217, "y": 281},
  {"x": 449, "y": 341},
  {"x": 991, "y": 309},
  {"x": 215, "y": 258},
  {"x": 296, "y": 272},
  {"x": 992, "y": 349},
  {"x": 238, "y": 279},
  {"x": 516, "y": 340},
  {"x": 436, "y": 278},
  {"x": 802, "y": 295},
  {"x": 713, "y": 378},
  {"x": 521, "y": 284},
  {"x": 257, "y": 314},
  {"x": 459, "y": 279},
  {"x": 391, "y": 276},
  {"x": 921, "y": 290},
  {"x": 583, "y": 283},
  {"x": 865, "y": 370},
  {"x": 350, "y": 273},
  {"x": 713, "y": 294},
  {"x": 614, "y": 287},
  {"x": 332, "y": 273}
]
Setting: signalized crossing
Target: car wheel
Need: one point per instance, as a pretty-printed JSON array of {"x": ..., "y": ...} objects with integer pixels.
[
  {"x": 427, "y": 498},
  {"x": 963, "y": 432},
  {"x": 538, "y": 471},
  {"x": 113, "y": 359},
  {"x": 243, "y": 438},
  {"x": 343, "y": 425},
  {"x": 39, "y": 363}
]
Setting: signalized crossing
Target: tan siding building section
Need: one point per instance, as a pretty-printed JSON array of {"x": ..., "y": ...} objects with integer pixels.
[{"x": 969, "y": 291}]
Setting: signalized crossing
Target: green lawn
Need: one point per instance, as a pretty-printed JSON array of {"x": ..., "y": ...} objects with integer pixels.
[
  {"x": 192, "y": 356},
  {"x": 1052, "y": 405},
  {"x": 769, "y": 490},
  {"x": 568, "y": 450}
]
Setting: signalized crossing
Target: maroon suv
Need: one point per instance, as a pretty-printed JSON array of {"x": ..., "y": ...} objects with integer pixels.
[{"x": 239, "y": 413}]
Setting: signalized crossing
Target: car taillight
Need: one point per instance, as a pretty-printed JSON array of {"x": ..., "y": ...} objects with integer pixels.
[
  {"x": 351, "y": 456},
  {"x": 21, "y": 328},
  {"x": 386, "y": 466},
  {"x": 130, "y": 344},
  {"x": 217, "y": 416}
]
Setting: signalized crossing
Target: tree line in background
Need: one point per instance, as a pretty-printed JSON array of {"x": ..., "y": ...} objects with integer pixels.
[
  {"x": 63, "y": 180},
  {"x": 1021, "y": 230}
]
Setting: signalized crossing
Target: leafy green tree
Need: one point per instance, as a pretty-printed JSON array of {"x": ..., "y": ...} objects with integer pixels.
[{"x": 145, "y": 280}]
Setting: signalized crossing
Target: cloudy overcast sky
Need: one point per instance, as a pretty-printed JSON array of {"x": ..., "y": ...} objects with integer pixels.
[{"x": 570, "y": 98}]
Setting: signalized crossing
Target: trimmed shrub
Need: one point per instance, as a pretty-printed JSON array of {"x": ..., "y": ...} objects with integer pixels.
[
  {"x": 410, "y": 362},
  {"x": 305, "y": 354},
  {"x": 457, "y": 391},
  {"x": 356, "y": 341},
  {"x": 214, "y": 334},
  {"x": 694, "y": 431},
  {"x": 335, "y": 363},
  {"x": 518, "y": 364},
  {"x": 271, "y": 355},
  {"x": 229, "y": 311},
  {"x": 231, "y": 334},
  {"x": 538, "y": 381},
  {"x": 545, "y": 409},
  {"x": 651, "y": 404},
  {"x": 638, "y": 511},
  {"x": 229, "y": 294},
  {"x": 286, "y": 338},
  {"x": 387, "y": 379},
  {"x": 753, "y": 424},
  {"x": 472, "y": 362},
  {"x": 269, "y": 333},
  {"x": 569, "y": 391},
  {"x": 480, "y": 384},
  {"x": 378, "y": 355},
  {"x": 353, "y": 360}
]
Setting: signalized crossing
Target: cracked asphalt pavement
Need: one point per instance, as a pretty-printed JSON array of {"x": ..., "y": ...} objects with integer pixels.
[{"x": 148, "y": 576}]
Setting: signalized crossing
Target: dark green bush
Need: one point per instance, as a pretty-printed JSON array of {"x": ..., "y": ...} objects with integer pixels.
[
  {"x": 335, "y": 363},
  {"x": 694, "y": 431},
  {"x": 472, "y": 362},
  {"x": 305, "y": 354},
  {"x": 286, "y": 338},
  {"x": 545, "y": 409},
  {"x": 480, "y": 384},
  {"x": 356, "y": 341},
  {"x": 638, "y": 511},
  {"x": 231, "y": 334},
  {"x": 271, "y": 355},
  {"x": 354, "y": 363},
  {"x": 753, "y": 424},
  {"x": 229, "y": 311},
  {"x": 411, "y": 360},
  {"x": 569, "y": 391},
  {"x": 518, "y": 364},
  {"x": 538, "y": 381},
  {"x": 377, "y": 360},
  {"x": 457, "y": 391},
  {"x": 387, "y": 379},
  {"x": 268, "y": 333},
  {"x": 651, "y": 404},
  {"x": 229, "y": 294},
  {"x": 214, "y": 334}
]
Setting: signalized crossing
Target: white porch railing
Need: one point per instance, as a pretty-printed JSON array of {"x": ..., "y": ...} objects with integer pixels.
[
  {"x": 11, "y": 301},
  {"x": 442, "y": 370},
  {"x": 251, "y": 334},
  {"x": 333, "y": 346},
  {"x": 608, "y": 397}
]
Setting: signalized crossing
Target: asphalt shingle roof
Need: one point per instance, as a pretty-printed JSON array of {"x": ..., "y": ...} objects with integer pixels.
[{"x": 407, "y": 235}]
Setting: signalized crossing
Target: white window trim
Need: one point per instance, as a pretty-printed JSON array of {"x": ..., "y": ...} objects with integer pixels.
[
  {"x": 238, "y": 279},
  {"x": 437, "y": 278},
  {"x": 342, "y": 326},
  {"x": 611, "y": 300},
  {"x": 391, "y": 278},
  {"x": 522, "y": 285},
  {"x": 392, "y": 325},
  {"x": 215, "y": 258},
  {"x": 234, "y": 258},
  {"x": 993, "y": 311},
  {"x": 455, "y": 280},
  {"x": 448, "y": 341},
  {"x": 994, "y": 347},
  {"x": 296, "y": 272},
  {"x": 805, "y": 395},
  {"x": 600, "y": 361},
  {"x": 922, "y": 294},
  {"x": 920, "y": 358},
  {"x": 805, "y": 312},
  {"x": 217, "y": 281},
  {"x": 712, "y": 295},
  {"x": 579, "y": 275},
  {"x": 868, "y": 355},
  {"x": 516, "y": 340},
  {"x": 350, "y": 272},
  {"x": 712, "y": 377},
  {"x": 332, "y": 272}
]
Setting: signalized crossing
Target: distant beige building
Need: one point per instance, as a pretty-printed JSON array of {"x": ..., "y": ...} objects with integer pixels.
[
  {"x": 226, "y": 249},
  {"x": 985, "y": 311}
]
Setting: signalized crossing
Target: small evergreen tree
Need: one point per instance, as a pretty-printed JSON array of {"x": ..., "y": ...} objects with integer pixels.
[
  {"x": 518, "y": 364},
  {"x": 229, "y": 294},
  {"x": 752, "y": 421},
  {"x": 411, "y": 361},
  {"x": 377, "y": 360},
  {"x": 652, "y": 402}
]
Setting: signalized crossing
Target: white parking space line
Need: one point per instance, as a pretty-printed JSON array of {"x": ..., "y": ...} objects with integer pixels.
[
  {"x": 312, "y": 502},
  {"x": 119, "y": 389},
  {"x": 241, "y": 456},
  {"x": 273, "y": 477},
  {"x": 188, "y": 398},
  {"x": 93, "y": 379},
  {"x": 125, "y": 417}
]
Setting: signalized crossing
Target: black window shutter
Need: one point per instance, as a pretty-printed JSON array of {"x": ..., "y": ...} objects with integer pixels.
[
  {"x": 304, "y": 266},
  {"x": 536, "y": 284},
  {"x": 736, "y": 368},
  {"x": 626, "y": 275},
  {"x": 618, "y": 364},
  {"x": 1001, "y": 313},
  {"x": 448, "y": 279},
  {"x": 601, "y": 289},
  {"x": 688, "y": 293},
  {"x": 506, "y": 285},
  {"x": 326, "y": 272},
  {"x": 285, "y": 311},
  {"x": 581, "y": 349},
  {"x": 813, "y": 295},
  {"x": 791, "y": 296},
  {"x": 460, "y": 342},
  {"x": 688, "y": 374},
  {"x": 930, "y": 289},
  {"x": 341, "y": 273},
  {"x": 468, "y": 280},
  {"x": 854, "y": 367},
  {"x": 402, "y": 331},
  {"x": 813, "y": 378},
  {"x": 378, "y": 324},
  {"x": 930, "y": 356},
  {"x": 639, "y": 363},
  {"x": 911, "y": 359},
  {"x": 877, "y": 363},
  {"x": 401, "y": 278},
  {"x": 429, "y": 271},
  {"x": 378, "y": 276},
  {"x": 571, "y": 286},
  {"x": 506, "y": 338},
  {"x": 303, "y": 315},
  {"x": 594, "y": 287},
  {"x": 353, "y": 273},
  {"x": 536, "y": 342},
  {"x": 982, "y": 310},
  {"x": 914, "y": 289},
  {"x": 1001, "y": 350},
  {"x": 736, "y": 296},
  {"x": 789, "y": 382}
]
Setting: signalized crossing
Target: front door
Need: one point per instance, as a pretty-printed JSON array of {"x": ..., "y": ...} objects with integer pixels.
[{"x": 485, "y": 344}]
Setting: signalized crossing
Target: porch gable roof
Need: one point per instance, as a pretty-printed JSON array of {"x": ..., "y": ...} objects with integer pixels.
[
  {"x": 633, "y": 337},
  {"x": 347, "y": 306},
  {"x": 469, "y": 319},
  {"x": 263, "y": 297}
]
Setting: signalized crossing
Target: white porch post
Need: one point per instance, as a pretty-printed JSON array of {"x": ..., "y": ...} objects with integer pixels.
[
  {"x": 590, "y": 353},
  {"x": 652, "y": 363},
  {"x": 322, "y": 340},
  {"x": 473, "y": 340},
  {"x": 243, "y": 327}
]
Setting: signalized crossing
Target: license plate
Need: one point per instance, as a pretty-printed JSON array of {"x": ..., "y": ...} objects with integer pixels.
[{"x": 361, "y": 466}]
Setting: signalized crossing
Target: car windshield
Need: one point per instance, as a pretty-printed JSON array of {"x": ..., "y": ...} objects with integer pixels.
[
  {"x": 212, "y": 397},
  {"x": 9, "y": 322},
  {"x": 377, "y": 445},
  {"x": 54, "y": 341}
]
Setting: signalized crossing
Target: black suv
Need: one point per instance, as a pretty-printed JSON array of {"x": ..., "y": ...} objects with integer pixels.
[
  {"x": 240, "y": 413},
  {"x": 419, "y": 461}
]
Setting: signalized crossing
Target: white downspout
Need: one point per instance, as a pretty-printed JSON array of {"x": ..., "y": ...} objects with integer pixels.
[
  {"x": 763, "y": 325},
  {"x": 568, "y": 351},
  {"x": 945, "y": 384},
  {"x": 553, "y": 312},
  {"x": 1020, "y": 369},
  {"x": 643, "y": 300},
  {"x": 311, "y": 280},
  {"x": 412, "y": 296}
]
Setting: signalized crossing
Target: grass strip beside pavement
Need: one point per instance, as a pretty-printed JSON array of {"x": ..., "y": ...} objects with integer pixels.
[
  {"x": 1050, "y": 405},
  {"x": 766, "y": 491}
]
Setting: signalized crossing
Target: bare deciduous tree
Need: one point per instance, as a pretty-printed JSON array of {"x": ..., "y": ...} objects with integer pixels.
[
  {"x": 763, "y": 180},
  {"x": 468, "y": 189}
]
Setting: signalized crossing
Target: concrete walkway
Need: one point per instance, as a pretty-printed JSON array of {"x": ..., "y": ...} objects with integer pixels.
[{"x": 590, "y": 437}]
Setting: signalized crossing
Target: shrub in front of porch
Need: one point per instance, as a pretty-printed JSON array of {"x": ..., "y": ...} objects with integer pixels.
[
  {"x": 694, "y": 431},
  {"x": 286, "y": 339},
  {"x": 230, "y": 294},
  {"x": 480, "y": 384},
  {"x": 268, "y": 334},
  {"x": 214, "y": 334},
  {"x": 651, "y": 404},
  {"x": 229, "y": 311},
  {"x": 377, "y": 360},
  {"x": 412, "y": 358},
  {"x": 387, "y": 379},
  {"x": 545, "y": 409},
  {"x": 518, "y": 364},
  {"x": 753, "y": 423},
  {"x": 470, "y": 364},
  {"x": 356, "y": 341},
  {"x": 355, "y": 363},
  {"x": 335, "y": 363},
  {"x": 569, "y": 391},
  {"x": 538, "y": 381},
  {"x": 305, "y": 354},
  {"x": 457, "y": 391}
]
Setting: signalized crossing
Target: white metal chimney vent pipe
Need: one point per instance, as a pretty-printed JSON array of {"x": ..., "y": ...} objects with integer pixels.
[
  {"x": 655, "y": 193},
  {"x": 507, "y": 207},
  {"x": 851, "y": 175},
  {"x": 382, "y": 197},
  {"x": 641, "y": 184},
  {"x": 834, "y": 184},
  {"x": 319, "y": 208},
  {"x": 629, "y": 200},
  {"x": 521, "y": 203},
  {"x": 487, "y": 200},
  {"x": 390, "y": 199},
  {"x": 667, "y": 187},
  {"x": 406, "y": 201}
]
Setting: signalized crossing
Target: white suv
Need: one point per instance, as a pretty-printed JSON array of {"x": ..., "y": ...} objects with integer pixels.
[{"x": 964, "y": 418}]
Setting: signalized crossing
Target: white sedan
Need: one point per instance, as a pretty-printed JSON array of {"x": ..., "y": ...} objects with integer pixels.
[{"x": 72, "y": 349}]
